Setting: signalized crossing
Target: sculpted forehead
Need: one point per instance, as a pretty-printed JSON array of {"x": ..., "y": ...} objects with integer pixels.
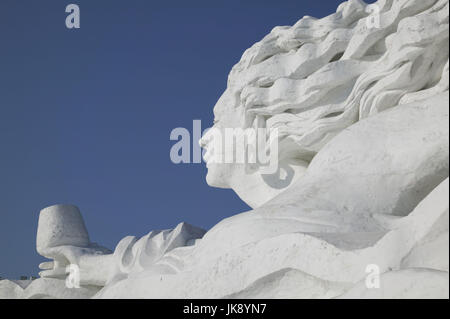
[
  {"x": 226, "y": 103},
  {"x": 261, "y": 75}
]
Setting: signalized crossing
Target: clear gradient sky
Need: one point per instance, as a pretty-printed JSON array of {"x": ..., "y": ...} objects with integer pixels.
[{"x": 85, "y": 115}]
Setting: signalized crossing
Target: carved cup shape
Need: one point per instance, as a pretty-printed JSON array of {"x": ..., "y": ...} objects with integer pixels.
[{"x": 61, "y": 225}]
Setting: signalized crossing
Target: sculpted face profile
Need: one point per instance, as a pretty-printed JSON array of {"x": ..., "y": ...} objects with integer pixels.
[
  {"x": 315, "y": 79},
  {"x": 362, "y": 119}
]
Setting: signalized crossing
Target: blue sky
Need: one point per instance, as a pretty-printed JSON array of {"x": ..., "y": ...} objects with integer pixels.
[{"x": 86, "y": 114}]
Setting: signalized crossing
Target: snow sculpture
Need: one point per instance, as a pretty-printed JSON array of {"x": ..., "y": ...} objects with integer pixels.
[{"x": 362, "y": 111}]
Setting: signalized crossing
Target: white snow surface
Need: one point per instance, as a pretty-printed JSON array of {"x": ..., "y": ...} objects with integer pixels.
[{"x": 363, "y": 115}]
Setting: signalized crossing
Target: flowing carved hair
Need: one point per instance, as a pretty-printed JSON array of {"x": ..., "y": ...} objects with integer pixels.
[{"x": 318, "y": 77}]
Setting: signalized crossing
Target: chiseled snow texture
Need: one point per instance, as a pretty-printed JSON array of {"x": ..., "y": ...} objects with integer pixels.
[
  {"x": 365, "y": 110},
  {"x": 278, "y": 251},
  {"x": 320, "y": 76}
]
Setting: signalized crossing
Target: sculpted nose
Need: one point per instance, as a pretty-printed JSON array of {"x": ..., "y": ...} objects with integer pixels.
[
  {"x": 203, "y": 141},
  {"x": 208, "y": 136}
]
